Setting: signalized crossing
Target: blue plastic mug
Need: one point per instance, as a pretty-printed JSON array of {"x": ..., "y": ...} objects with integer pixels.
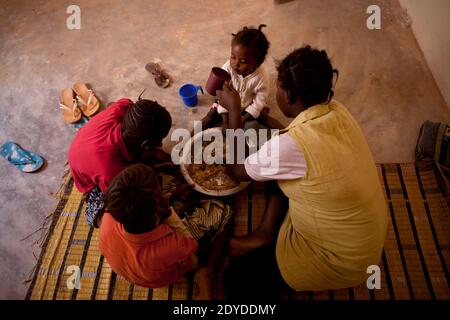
[{"x": 188, "y": 93}]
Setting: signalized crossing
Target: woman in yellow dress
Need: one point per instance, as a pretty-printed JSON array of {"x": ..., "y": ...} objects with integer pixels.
[{"x": 325, "y": 217}]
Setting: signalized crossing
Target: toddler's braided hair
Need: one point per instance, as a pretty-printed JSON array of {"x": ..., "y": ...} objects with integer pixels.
[
  {"x": 255, "y": 39},
  {"x": 307, "y": 73}
]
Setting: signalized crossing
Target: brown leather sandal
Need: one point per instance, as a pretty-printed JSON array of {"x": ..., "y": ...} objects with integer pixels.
[
  {"x": 70, "y": 111},
  {"x": 162, "y": 78},
  {"x": 89, "y": 102}
]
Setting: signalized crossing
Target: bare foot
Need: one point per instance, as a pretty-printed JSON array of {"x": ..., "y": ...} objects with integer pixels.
[
  {"x": 202, "y": 285},
  {"x": 241, "y": 245}
]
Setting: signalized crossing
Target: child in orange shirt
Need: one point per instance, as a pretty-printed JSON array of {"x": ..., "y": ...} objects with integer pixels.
[{"x": 143, "y": 239}]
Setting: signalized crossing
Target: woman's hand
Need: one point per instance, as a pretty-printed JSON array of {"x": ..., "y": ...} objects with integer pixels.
[{"x": 229, "y": 98}]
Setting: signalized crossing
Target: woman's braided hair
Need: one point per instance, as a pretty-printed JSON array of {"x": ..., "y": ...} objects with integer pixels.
[
  {"x": 255, "y": 39},
  {"x": 307, "y": 73}
]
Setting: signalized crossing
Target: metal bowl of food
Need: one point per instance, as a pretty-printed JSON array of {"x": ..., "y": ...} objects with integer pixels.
[{"x": 210, "y": 179}]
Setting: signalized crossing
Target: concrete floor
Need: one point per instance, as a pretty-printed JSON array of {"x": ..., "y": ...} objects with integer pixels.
[{"x": 384, "y": 80}]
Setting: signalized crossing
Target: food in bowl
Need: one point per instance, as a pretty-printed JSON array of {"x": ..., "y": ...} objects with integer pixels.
[
  {"x": 211, "y": 176},
  {"x": 208, "y": 176}
]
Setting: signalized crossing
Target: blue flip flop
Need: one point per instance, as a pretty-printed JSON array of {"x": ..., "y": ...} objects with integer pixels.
[{"x": 23, "y": 160}]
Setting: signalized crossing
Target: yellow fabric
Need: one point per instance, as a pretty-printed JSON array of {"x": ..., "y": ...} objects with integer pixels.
[{"x": 336, "y": 223}]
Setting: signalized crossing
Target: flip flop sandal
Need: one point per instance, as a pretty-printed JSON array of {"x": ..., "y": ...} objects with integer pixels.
[
  {"x": 162, "y": 79},
  {"x": 68, "y": 105},
  {"x": 89, "y": 102},
  {"x": 23, "y": 160}
]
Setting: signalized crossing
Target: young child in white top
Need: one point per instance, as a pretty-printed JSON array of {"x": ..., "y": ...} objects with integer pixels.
[{"x": 248, "y": 76}]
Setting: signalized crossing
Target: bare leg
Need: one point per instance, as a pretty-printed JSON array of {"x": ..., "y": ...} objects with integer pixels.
[
  {"x": 204, "y": 276},
  {"x": 274, "y": 213}
]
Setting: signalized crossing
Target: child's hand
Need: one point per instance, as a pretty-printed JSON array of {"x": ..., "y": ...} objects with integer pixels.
[{"x": 229, "y": 98}]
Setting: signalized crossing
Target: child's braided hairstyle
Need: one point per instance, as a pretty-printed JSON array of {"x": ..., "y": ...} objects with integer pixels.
[
  {"x": 252, "y": 38},
  {"x": 133, "y": 197},
  {"x": 307, "y": 73},
  {"x": 145, "y": 120}
]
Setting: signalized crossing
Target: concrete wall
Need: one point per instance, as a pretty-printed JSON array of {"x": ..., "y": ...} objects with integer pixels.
[{"x": 431, "y": 26}]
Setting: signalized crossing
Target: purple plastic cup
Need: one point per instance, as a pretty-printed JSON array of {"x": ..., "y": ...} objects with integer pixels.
[{"x": 216, "y": 79}]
